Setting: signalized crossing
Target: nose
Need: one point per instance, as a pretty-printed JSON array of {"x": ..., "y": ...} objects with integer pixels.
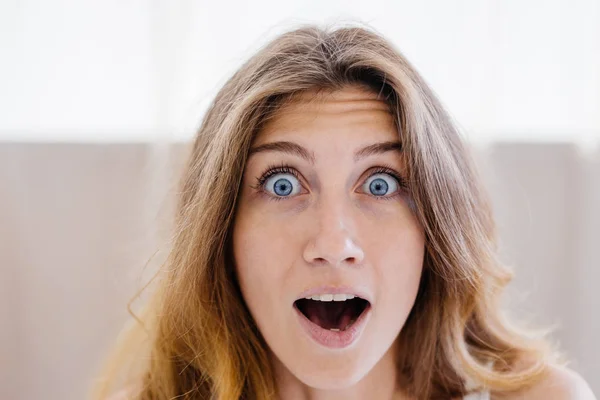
[{"x": 334, "y": 242}]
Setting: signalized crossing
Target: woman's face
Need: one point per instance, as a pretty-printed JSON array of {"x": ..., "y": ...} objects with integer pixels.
[{"x": 331, "y": 221}]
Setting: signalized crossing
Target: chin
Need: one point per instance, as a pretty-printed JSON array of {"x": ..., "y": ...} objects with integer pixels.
[
  {"x": 332, "y": 370},
  {"x": 332, "y": 379}
]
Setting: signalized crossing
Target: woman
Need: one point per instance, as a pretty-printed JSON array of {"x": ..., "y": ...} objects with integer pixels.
[{"x": 333, "y": 241}]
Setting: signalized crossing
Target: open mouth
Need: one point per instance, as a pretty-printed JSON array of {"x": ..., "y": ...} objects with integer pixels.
[{"x": 333, "y": 315}]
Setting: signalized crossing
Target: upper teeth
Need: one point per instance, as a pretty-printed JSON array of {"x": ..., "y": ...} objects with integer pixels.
[{"x": 330, "y": 297}]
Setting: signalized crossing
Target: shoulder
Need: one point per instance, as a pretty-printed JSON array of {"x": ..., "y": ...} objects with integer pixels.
[
  {"x": 127, "y": 393},
  {"x": 560, "y": 383},
  {"x": 121, "y": 395}
]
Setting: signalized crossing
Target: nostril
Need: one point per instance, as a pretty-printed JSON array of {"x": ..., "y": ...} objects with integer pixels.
[
  {"x": 323, "y": 261},
  {"x": 334, "y": 252}
]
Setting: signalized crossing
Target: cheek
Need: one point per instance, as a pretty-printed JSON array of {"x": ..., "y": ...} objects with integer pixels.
[
  {"x": 402, "y": 272},
  {"x": 400, "y": 260},
  {"x": 260, "y": 261}
]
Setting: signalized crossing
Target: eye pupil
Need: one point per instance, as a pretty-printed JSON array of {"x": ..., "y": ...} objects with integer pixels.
[
  {"x": 282, "y": 187},
  {"x": 379, "y": 186}
]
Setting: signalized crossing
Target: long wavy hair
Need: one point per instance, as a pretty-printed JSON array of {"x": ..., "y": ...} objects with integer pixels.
[{"x": 196, "y": 339}]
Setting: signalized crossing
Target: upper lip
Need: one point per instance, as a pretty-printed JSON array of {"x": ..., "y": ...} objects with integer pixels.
[{"x": 337, "y": 289}]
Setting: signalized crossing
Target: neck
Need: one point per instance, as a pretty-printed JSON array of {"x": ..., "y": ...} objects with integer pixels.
[{"x": 379, "y": 383}]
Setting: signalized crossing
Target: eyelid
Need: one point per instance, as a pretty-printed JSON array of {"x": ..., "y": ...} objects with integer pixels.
[
  {"x": 284, "y": 168},
  {"x": 273, "y": 170},
  {"x": 392, "y": 172}
]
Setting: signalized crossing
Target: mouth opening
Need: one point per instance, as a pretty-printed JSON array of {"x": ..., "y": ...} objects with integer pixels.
[{"x": 332, "y": 315}]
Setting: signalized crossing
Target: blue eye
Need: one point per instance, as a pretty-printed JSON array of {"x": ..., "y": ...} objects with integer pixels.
[
  {"x": 379, "y": 184},
  {"x": 282, "y": 185},
  {"x": 283, "y": 182}
]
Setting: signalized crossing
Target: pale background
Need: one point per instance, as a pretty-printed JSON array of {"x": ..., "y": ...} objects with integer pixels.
[{"x": 99, "y": 99}]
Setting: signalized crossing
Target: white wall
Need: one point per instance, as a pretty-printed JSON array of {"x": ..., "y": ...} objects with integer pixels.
[{"x": 113, "y": 70}]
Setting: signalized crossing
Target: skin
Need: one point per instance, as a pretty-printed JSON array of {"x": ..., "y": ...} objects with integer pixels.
[
  {"x": 333, "y": 228},
  {"x": 560, "y": 383},
  {"x": 332, "y": 232}
]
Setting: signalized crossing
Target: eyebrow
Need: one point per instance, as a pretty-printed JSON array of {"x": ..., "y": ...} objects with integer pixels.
[{"x": 300, "y": 151}]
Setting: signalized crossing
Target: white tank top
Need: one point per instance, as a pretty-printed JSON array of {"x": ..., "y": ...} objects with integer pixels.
[
  {"x": 484, "y": 395},
  {"x": 478, "y": 396}
]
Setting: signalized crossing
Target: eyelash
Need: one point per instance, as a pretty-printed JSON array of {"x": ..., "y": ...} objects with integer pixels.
[{"x": 286, "y": 169}]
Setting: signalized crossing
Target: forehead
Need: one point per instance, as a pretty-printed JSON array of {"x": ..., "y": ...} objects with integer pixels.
[{"x": 351, "y": 113}]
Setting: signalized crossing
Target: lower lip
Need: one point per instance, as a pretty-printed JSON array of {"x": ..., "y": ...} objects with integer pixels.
[{"x": 334, "y": 339}]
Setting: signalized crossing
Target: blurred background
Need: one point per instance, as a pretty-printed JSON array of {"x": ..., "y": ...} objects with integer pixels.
[{"x": 99, "y": 101}]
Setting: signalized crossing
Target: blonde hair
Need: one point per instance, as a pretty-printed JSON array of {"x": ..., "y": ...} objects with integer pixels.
[{"x": 199, "y": 340}]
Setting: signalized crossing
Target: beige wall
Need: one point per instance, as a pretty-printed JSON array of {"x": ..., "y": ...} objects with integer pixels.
[{"x": 79, "y": 221}]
